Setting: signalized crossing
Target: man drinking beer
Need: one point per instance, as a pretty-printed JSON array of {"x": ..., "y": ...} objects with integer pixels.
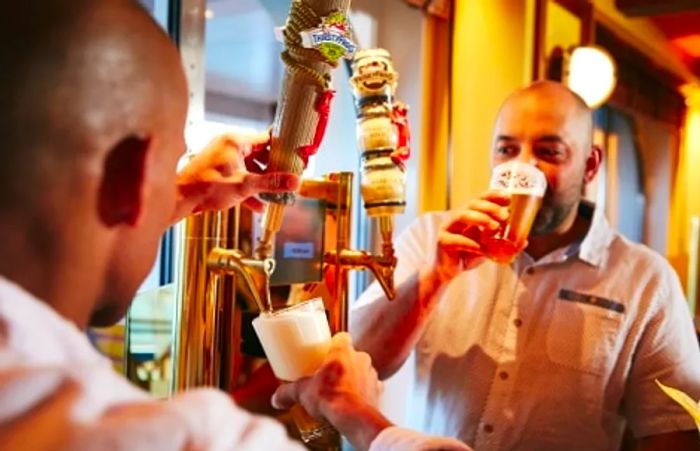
[{"x": 558, "y": 350}]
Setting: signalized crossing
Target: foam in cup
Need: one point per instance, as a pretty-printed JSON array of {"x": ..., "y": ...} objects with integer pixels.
[
  {"x": 295, "y": 339},
  {"x": 517, "y": 177}
]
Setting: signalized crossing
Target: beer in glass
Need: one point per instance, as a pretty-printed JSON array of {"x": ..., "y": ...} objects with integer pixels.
[
  {"x": 525, "y": 185},
  {"x": 296, "y": 340}
]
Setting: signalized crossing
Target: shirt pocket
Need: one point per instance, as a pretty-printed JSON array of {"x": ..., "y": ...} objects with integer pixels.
[{"x": 583, "y": 332}]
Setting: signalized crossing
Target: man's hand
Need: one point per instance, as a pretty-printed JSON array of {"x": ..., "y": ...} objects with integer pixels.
[
  {"x": 344, "y": 391},
  {"x": 459, "y": 244},
  {"x": 217, "y": 179},
  {"x": 346, "y": 377}
]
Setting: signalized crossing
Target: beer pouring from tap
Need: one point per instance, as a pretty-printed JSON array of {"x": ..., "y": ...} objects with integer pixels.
[
  {"x": 296, "y": 340},
  {"x": 232, "y": 261}
]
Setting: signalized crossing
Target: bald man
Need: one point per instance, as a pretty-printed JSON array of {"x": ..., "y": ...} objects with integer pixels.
[
  {"x": 559, "y": 350},
  {"x": 93, "y": 107}
]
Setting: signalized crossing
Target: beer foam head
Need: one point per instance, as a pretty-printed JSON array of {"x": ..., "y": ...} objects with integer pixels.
[
  {"x": 295, "y": 339},
  {"x": 307, "y": 326},
  {"x": 516, "y": 177}
]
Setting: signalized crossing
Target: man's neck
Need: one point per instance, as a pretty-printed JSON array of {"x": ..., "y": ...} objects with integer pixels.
[
  {"x": 573, "y": 229},
  {"x": 27, "y": 264}
]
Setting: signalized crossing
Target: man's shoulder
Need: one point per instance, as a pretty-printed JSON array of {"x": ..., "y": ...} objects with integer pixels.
[
  {"x": 422, "y": 233},
  {"x": 641, "y": 263},
  {"x": 638, "y": 253},
  {"x": 34, "y": 334},
  {"x": 428, "y": 223}
]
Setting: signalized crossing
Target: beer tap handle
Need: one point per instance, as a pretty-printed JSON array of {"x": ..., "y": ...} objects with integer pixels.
[{"x": 315, "y": 37}]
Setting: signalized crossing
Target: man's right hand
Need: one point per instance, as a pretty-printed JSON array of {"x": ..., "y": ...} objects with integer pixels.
[
  {"x": 459, "y": 245},
  {"x": 344, "y": 391},
  {"x": 217, "y": 177},
  {"x": 345, "y": 377}
]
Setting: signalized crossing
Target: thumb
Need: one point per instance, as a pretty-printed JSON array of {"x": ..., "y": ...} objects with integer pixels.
[
  {"x": 257, "y": 137},
  {"x": 342, "y": 340},
  {"x": 244, "y": 143},
  {"x": 288, "y": 394}
]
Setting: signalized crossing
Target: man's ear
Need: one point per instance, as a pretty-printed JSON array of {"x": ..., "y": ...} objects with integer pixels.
[
  {"x": 123, "y": 186},
  {"x": 593, "y": 163}
]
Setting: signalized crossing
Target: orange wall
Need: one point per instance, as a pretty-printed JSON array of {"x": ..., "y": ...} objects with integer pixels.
[
  {"x": 491, "y": 58},
  {"x": 686, "y": 190},
  {"x": 563, "y": 28},
  {"x": 642, "y": 34}
]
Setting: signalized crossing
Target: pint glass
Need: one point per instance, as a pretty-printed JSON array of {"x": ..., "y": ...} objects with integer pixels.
[
  {"x": 526, "y": 185},
  {"x": 296, "y": 340}
]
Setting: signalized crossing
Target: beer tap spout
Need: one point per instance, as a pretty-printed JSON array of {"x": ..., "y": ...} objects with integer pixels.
[
  {"x": 232, "y": 261},
  {"x": 382, "y": 266}
]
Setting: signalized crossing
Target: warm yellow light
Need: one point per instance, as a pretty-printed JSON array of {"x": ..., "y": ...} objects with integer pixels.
[
  {"x": 209, "y": 13},
  {"x": 691, "y": 92},
  {"x": 591, "y": 74}
]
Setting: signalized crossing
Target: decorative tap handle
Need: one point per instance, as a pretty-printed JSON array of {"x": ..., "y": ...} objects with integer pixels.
[
  {"x": 383, "y": 133},
  {"x": 316, "y": 35},
  {"x": 399, "y": 117}
]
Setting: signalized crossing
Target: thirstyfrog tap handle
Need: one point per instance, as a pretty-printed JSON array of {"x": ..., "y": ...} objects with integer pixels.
[{"x": 316, "y": 35}]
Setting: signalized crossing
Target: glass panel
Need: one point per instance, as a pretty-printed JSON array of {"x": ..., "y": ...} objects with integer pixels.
[
  {"x": 563, "y": 28},
  {"x": 625, "y": 197},
  {"x": 159, "y": 9},
  {"x": 243, "y": 69}
]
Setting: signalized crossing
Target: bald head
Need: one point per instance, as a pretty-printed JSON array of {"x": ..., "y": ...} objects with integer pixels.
[
  {"x": 551, "y": 88},
  {"x": 77, "y": 76},
  {"x": 94, "y": 103},
  {"x": 544, "y": 95}
]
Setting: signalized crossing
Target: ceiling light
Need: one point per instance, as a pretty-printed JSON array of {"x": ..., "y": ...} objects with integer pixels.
[{"x": 591, "y": 73}]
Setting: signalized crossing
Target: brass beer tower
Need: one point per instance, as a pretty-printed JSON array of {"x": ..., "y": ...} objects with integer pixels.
[{"x": 214, "y": 268}]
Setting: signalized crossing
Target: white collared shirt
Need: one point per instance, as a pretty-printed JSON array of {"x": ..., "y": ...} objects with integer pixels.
[
  {"x": 57, "y": 392},
  {"x": 555, "y": 354}
]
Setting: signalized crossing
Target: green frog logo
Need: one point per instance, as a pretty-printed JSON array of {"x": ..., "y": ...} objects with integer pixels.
[{"x": 332, "y": 38}]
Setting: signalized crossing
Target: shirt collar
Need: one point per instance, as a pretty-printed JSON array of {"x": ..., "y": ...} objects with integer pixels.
[
  {"x": 592, "y": 249},
  {"x": 595, "y": 246},
  {"x": 19, "y": 306}
]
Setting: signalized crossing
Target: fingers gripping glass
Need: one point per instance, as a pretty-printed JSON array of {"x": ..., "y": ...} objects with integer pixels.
[{"x": 296, "y": 340}]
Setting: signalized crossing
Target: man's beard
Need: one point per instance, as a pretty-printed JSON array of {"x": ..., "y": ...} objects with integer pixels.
[{"x": 551, "y": 215}]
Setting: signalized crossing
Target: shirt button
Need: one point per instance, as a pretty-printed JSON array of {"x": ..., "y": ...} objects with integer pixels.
[
  {"x": 488, "y": 428},
  {"x": 503, "y": 375},
  {"x": 517, "y": 322},
  {"x": 530, "y": 271}
]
